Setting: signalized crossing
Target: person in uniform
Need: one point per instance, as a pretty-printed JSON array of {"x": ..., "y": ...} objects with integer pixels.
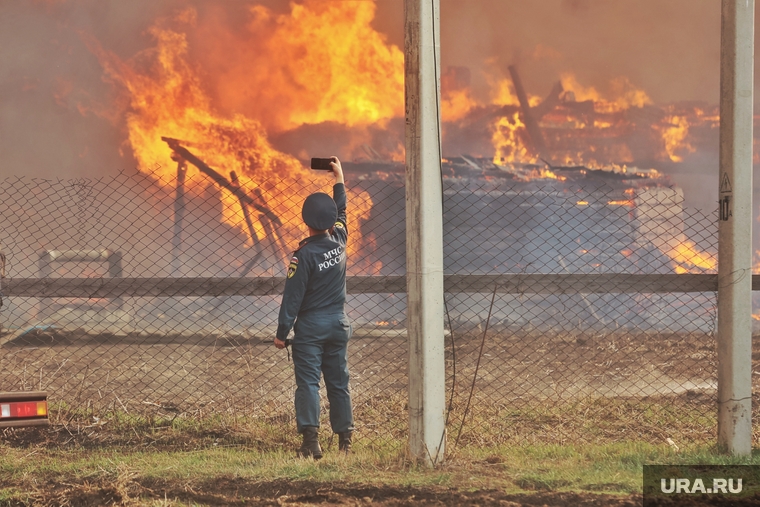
[{"x": 313, "y": 305}]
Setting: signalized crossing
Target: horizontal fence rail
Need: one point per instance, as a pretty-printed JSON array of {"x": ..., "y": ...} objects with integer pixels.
[{"x": 268, "y": 286}]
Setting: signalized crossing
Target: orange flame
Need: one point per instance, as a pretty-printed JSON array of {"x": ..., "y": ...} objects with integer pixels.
[
  {"x": 687, "y": 257},
  {"x": 543, "y": 174},
  {"x": 508, "y": 142},
  {"x": 456, "y": 104},
  {"x": 624, "y": 94},
  {"x": 169, "y": 100},
  {"x": 674, "y": 135},
  {"x": 573, "y": 133},
  {"x": 322, "y": 61},
  {"x": 503, "y": 94}
]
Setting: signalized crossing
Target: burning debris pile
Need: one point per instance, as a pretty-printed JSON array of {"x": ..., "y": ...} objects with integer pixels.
[
  {"x": 536, "y": 218},
  {"x": 576, "y": 125},
  {"x": 267, "y": 219}
]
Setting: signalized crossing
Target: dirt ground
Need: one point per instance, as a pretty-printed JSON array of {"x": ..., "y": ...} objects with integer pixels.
[
  {"x": 233, "y": 491},
  {"x": 520, "y": 367},
  {"x": 166, "y": 375}
]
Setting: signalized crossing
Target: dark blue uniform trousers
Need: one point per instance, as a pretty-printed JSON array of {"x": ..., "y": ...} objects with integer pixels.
[{"x": 320, "y": 345}]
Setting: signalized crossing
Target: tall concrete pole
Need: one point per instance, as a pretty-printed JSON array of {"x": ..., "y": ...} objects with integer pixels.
[
  {"x": 735, "y": 228},
  {"x": 424, "y": 232}
]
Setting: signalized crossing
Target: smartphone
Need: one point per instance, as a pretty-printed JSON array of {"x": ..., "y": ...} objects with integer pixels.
[{"x": 322, "y": 164}]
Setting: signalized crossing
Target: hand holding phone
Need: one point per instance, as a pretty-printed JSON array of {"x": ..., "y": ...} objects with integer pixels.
[
  {"x": 321, "y": 164},
  {"x": 331, "y": 164}
]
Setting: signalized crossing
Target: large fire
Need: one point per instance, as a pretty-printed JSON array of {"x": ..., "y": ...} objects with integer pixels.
[
  {"x": 323, "y": 62},
  {"x": 168, "y": 99}
]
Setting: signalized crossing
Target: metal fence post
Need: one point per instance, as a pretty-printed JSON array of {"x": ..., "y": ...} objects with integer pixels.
[
  {"x": 424, "y": 233},
  {"x": 44, "y": 270},
  {"x": 735, "y": 228}
]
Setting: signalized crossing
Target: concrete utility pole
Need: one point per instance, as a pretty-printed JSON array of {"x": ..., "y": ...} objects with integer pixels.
[
  {"x": 735, "y": 228},
  {"x": 424, "y": 232}
]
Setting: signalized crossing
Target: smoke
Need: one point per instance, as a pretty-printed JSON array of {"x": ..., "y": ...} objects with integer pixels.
[
  {"x": 58, "y": 118},
  {"x": 669, "y": 48}
]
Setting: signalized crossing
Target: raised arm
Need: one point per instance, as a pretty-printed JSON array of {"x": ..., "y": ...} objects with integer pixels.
[
  {"x": 337, "y": 170},
  {"x": 339, "y": 193}
]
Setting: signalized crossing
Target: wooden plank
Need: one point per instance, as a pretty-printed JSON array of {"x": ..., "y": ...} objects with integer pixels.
[
  {"x": 580, "y": 283},
  {"x": 178, "y": 287},
  {"x": 142, "y": 287},
  {"x": 273, "y": 286},
  {"x": 376, "y": 284}
]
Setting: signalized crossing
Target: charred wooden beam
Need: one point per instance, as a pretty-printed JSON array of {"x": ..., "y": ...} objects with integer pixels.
[
  {"x": 271, "y": 220},
  {"x": 550, "y": 102},
  {"x": 246, "y": 212},
  {"x": 275, "y": 240},
  {"x": 531, "y": 125},
  {"x": 220, "y": 180}
]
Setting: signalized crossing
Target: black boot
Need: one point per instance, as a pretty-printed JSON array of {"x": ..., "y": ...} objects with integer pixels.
[
  {"x": 344, "y": 441},
  {"x": 310, "y": 446}
]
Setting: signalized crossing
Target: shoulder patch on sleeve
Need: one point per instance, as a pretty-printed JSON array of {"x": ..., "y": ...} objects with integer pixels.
[
  {"x": 292, "y": 267},
  {"x": 339, "y": 225}
]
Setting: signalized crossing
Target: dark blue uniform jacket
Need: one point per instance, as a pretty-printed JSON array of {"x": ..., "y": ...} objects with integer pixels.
[{"x": 316, "y": 279}]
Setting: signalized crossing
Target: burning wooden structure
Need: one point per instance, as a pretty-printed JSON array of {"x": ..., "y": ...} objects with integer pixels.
[{"x": 268, "y": 219}]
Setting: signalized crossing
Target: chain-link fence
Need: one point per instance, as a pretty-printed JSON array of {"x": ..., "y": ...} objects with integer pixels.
[
  {"x": 564, "y": 320},
  {"x": 127, "y": 338},
  {"x": 584, "y": 331}
]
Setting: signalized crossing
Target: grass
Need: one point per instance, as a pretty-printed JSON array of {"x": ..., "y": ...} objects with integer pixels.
[
  {"x": 587, "y": 447},
  {"x": 29, "y": 472}
]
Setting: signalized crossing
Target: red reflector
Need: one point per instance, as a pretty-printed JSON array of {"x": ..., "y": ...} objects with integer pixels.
[{"x": 23, "y": 409}]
